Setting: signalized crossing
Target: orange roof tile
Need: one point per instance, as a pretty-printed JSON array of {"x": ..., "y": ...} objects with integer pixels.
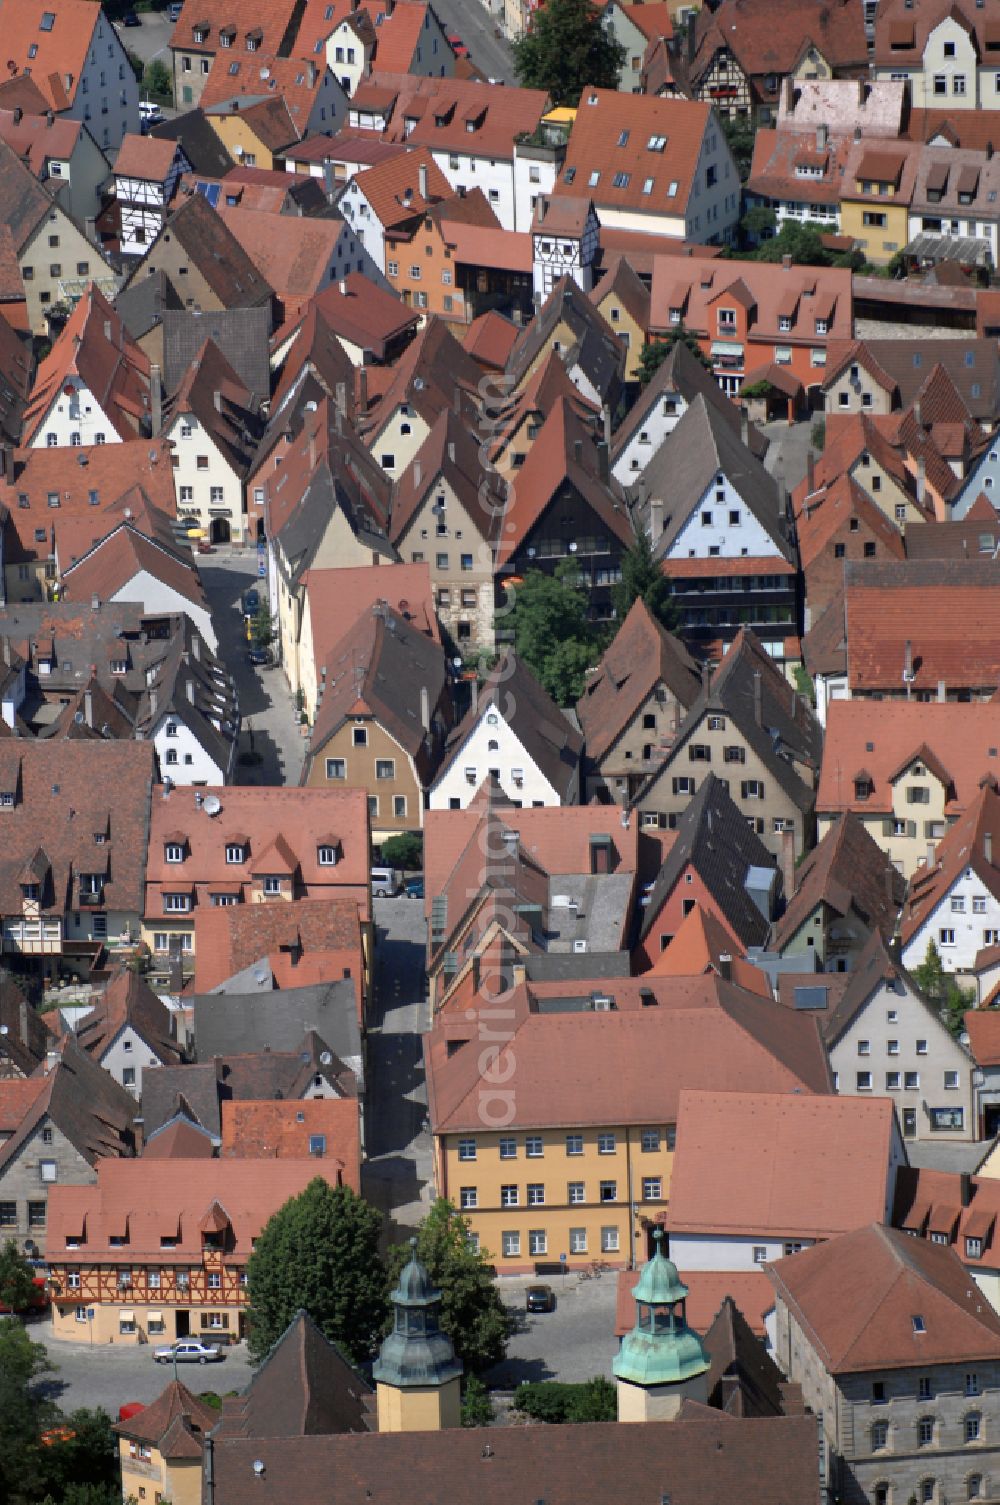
[
  {"x": 700, "y": 945},
  {"x": 148, "y": 157},
  {"x": 289, "y": 1130},
  {"x": 610, "y": 137},
  {"x": 707, "y": 1290},
  {"x": 56, "y": 54}
]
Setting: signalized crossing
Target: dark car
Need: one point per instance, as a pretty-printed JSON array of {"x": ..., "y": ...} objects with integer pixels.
[
  {"x": 260, "y": 656},
  {"x": 413, "y": 888},
  {"x": 539, "y": 1299},
  {"x": 130, "y": 19},
  {"x": 251, "y": 602}
]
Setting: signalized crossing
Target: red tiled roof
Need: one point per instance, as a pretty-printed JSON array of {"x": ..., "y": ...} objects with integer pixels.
[
  {"x": 274, "y": 20},
  {"x": 928, "y": 604},
  {"x": 770, "y": 36},
  {"x": 55, "y": 55},
  {"x": 286, "y": 1130},
  {"x": 436, "y": 112},
  {"x": 603, "y": 118},
  {"x": 230, "y": 937},
  {"x": 149, "y": 157}
]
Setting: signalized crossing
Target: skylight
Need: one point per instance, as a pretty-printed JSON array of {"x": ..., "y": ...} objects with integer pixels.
[{"x": 48, "y": 20}]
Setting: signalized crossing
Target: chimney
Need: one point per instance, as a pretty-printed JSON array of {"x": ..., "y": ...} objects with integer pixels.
[
  {"x": 786, "y": 262},
  {"x": 789, "y": 96},
  {"x": 726, "y": 967},
  {"x": 918, "y": 415},
  {"x": 821, "y": 138},
  {"x": 107, "y": 330},
  {"x": 425, "y": 709},
  {"x": 51, "y": 1059},
  {"x": 451, "y": 450},
  {"x": 7, "y": 461},
  {"x": 988, "y": 848},
  {"x": 341, "y": 390},
  {"x": 788, "y": 862},
  {"x": 343, "y": 287},
  {"x": 908, "y": 664},
  {"x": 655, "y": 519},
  {"x": 965, "y": 1182},
  {"x": 578, "y": 451},
  {"x": 541, "y": 207},
  {"x": 23, "y": 1021},
  {"x": 88, "y": 708},
  {"x": 690, "y": 40},
  {"x": 49, "y": 117},
  {"x": 417, "y": 472},
  {"x": 190, "y": 690},
  {"x": 706, "y": 677},
  {"x": 942, "y": 691},
  {"x": 744, "y": 426},
  {"x": 363, "y": 389},
  {"x": 152, "y": 703},
  {"x": 95, "y": 602},
  {"x": 603, "y": 462},
  {"x": 156, "y": 397},
  {"x": 758, "y": 713},
  {"x": 606, "y": 415},
  {"x": 390, "y": 6},
  {"x": 217, "y": 400},
  {"x": 475, "y": 696},
  {"x": 810, "y": 473},
  {"x": 921, "y": 480},
  {"x": 422, "y": 180}
]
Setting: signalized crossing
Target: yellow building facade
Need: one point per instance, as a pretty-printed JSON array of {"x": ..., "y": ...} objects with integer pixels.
[{"x": 567, "y": 1197}]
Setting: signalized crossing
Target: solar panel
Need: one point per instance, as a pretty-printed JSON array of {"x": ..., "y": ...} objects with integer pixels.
[
  {"x": 811, "y": 998},
  {"x": 210, "y": 191}
]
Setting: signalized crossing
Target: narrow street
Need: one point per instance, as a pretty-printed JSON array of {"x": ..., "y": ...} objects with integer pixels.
[{"x": 396, "y": 1175}]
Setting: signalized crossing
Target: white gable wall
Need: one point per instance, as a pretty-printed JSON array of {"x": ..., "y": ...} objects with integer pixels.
[
  {"x": 478, "y": 755},
  {"x": 721, "y": 520}
]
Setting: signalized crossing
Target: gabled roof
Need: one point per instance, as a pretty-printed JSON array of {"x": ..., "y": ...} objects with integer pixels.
[
  {"x": 769, "y": 36},
  {"x": 641, "y": 656},
  {"x": 547, "y": 735},
  {"x": 380, "y": 666},
  {"x": 743, "y": 1379},
  {"x": 304, "y": 1387},
  {"x": 847, "y": 871},
  {"x": 562, "y": 453},
  {"x": 214, "y": 250},
  {"x": 715, "y": 838},
  {"x": 682, "y": 373},
  {"x": 26, "y": 202},
  {"x": 299, "y": 83},
  {"x": 973, "y": 365},
  {"x": 871, "y": 969},
  {"x": 274, "y": 25},
  {"x": 84, "y": 1102},
  {"x": 824, "y": 512},
  {"x": 129, "y": 1002},
  {"x": 438, "y": 112},
  {"x": 969, "y": 843},
  {"x": 779, "y": 1165},
  {"x": 54, "y": 51},
  {"x": 202, "y": 144},
  {"x": 859, "y": 1297},
  {"x": 452, "y": 454},
  {"x": 224, "y": 407},
  {"x": 239, "y": 334},
  {"x": 361, "y": 312},
  {"x": 231, "y": 937},
  {"x": 95, "y": 347},
  {"x": 146, "y": 157},
  {"x": 176, "y": 1423},
  {"x": 392, "y": 187},
  {"x": 294, "y": 255},
  {"x": 25, "y": 1034},
  {"x": 620, "y": 280},
  {"x": 112, "y": 564},
  {"x": 596, "y": 349},
  {"x": 701, "y": 944}
]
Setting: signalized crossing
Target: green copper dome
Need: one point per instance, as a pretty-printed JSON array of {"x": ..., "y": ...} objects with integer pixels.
[
  {"x": 416, "y": 1352},
  {"x": 661, "y": 1349}
]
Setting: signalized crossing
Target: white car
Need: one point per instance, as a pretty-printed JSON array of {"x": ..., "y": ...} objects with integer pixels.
[{"x": 189, "y": 1351}]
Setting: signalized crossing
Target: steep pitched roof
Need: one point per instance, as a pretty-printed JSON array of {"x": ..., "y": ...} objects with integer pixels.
[
  {"x": 25, "y": 1036},
  {"x": 968, "y": 843},
  {"x": 715, "y": 838},
  {"x": 743, "y": 1379},
  {"x": 848, "y": 870},
  {"x": 224, "y": 407},
  {"x": 681, "y": 372},
  {"x": 596, "y": 347},
  {"x": 641, "y": 656},
  {"x": 215, "y": 250},
  {"x": 451, "y": 453},
  {"x": 858, "y": 1298},
  {"x": 702, "y": 945},
  {"x": 783, "y": 1165},
  {"x": 129, "y": 1001},
  {"x": 50, "y": 40},
  {"x": 176, "y": 1423},
  {"x": 768, "y": 37},
  {"x": 872, "y": 968},
  {"x": 546, "y": 734},
  {"x": 84, "y": 1102}
]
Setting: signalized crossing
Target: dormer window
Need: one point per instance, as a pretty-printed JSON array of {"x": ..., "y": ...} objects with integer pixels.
[
  {"x": 171, "y": 728},
  {"x": 272, "y": 884},
  {"x": 201, "y": 34},
  {"x": 176, "y": 903},
  {"x": 6, "y": 799},
  {"x": 31, "y": 892},
  {"x": 784, "y": 324},
  {"x": 727, "y": 320},
  {"x": 326, "y": 856},
  {"x": 118, "y": 666},
  {"x": 235, "y": 852},
  {"x": 174, "y": 851},
  {"x": 863, "y": 789}
]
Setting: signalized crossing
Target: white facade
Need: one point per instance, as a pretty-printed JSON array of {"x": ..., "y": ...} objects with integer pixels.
[
  {"x": 161, "y": 600},
  {"x": 75, "y": 417},
  {"x": 143, "y": 206},
  {"x": 127, "y": 1057},
  {"x": 722, "y": 525},
  {"x": 208, "y": 489},
  {"x": 535, "y": 172},
  {"x": 965, "y": 920},
  {"x": 492, "y": 747},
  {"x": 661, "y": 420},
  {"x": 725, "y": 1252},
  {"x": 927, "y": 222},
  {"x": 555, "y": 256},
  {"x": 365, "y": 223},
  {"x": 107, "y": 94},
  {"x": 183, "y": 758},
  {"x": 494, "y": 175},
  {"x": 345, "y": 56}
]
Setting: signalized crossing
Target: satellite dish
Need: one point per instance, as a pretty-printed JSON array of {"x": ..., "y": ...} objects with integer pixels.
[
  {"x": 326, "y": 1059},
  {"x": 212, "y": 804}
]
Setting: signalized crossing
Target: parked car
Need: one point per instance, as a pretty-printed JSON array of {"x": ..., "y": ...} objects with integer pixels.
[
  {"x": 174, "y": 9},
  {"x": 539, "y": 1299},
  {"x": 205, "y": 546},
  {"x": 385, "y": 882},
  {"x": 189, "y": 1351},
  {"x": 413, "y": 888},
  {"x": 259, "y": 656},
  {"x": 251, "y": 602},
  {"x": 130, "y": 19}
]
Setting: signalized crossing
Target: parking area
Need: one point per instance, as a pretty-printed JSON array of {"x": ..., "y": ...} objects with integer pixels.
[
  {"x": 576, "y": 1342},
  {"x": 270, "y": 729},
  {"x": 110, "y": 1374}
]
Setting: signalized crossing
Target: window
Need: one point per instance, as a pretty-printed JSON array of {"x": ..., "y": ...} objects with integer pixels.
[
  {"x": 973, "y": 1248},
  {"x": 880, "y": 1436},
  {"x": 326, "y": 856},
  {"x": 606, "y": 1144},
  {"x": 511, "y": 1244},
  {"x": 892, "y": 1047},
  {"x": 864, "y": 1047},
  {"x": 385, "y": 768},
  {"x": 174, "y": 852},
  {"x": 8, "y": 1214},
  {"x": 47, "y": 1170},
  {"x": 892, "y": 1081},
  {"x": 537, "y": 1241},
  {"x": 466, "y": 1149},
  {"x": 652, "y": 1188},
  {"x": 925, "y": 1390},
  {"x": 508, "y": 1149},
  {"x": 575, "y": 1192},
  {"x": 533, "y": 1146},
  {"x": 509, "y": 1196},
  {"x": 536, "y": 1194},
  {"x": 468, "y": 1197},
  {"x": 578, "y": 1241},
  {"x": 951, "y": 1081},
  {"x": 650, "y": 1140},
  {"x": 911, "y": 1080},
  {"x": 609, "y": 1240},
  {"x": 574, "y": 1144},
  {"x": 972, "y": 1384},
  {"x": 921, "y": 1047},
  {"x": 360, "y": 736},
  {"x": 973, "y": 1426},
  {"x": 180, "y": 903},
  {"x": 974, "y": 1487},
  {"x": 946, "y": 936},
  {"x": 864, "y": 1081},
  {"x": 336, "y": 768},
  {"x": 759, "y": 1254},
  {"x": 609, "y": 1191}
]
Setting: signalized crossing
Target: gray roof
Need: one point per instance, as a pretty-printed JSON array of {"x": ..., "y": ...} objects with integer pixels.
[
  {"x": 278, "y": 1019},
  {"x": 683, "y": 373},
  {"x": 547, "y": 735},
  {"x": 144, "y": 302},
  {"x": 303, "y": 533},
  {"x": 570, "y": 966},
  {"x": 201, "y": 142},
  {"x": 240, "y": 333},
  {"x": 596, "y": 348},
  {"x": 715, "y": 837},
  {"x": 704, "y": 443},
  {"x": 595, "y": 914}
]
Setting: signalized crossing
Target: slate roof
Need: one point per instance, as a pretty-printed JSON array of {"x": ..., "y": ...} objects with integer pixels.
[
  {"x": 129, "y": 1001},
  {"x": 202, "y": 144},
  {"x": 641, "y": 656},
  {"x": 715, "y": 838},
  {"x": 84, "y": 1102},
  {"x": 26, "y": 1036},
  {"x": 225, "y": 408},
  {"x": 239, "y": 334},
  {"x": 549, "y": 738},
  {"x": 857, "y": 1296},
  {"x": 596, "y": 348},
  {"x": 304, "y": 1387},
  {"x": 743, "y": 1379},
  {"x": 228, "y": 1022},
  {"x": 215, "y": 250},
  {"x": 681, "y": 372},
  {"x": 847, "y": 871}
]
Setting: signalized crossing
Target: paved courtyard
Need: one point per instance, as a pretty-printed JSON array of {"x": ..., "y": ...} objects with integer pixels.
[{"x": 575, "y": 1342}]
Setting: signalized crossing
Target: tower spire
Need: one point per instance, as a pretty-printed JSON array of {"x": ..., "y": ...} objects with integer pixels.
[
  {"x": 417, "y": 1376},
  {"x": 661, "y": 1362}
]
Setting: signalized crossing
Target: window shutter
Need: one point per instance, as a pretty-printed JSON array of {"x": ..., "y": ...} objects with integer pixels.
[
  {"x": 888, "y": 825},
  {"x": 911, "y": 828}
]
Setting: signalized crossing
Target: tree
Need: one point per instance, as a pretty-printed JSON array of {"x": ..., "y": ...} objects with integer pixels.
[
  {"x": 136, "y": 64},
  {"x": 23, "y": 1415},
  {"x": 17, "y": 1279},
  {"x": 654, "y": 352},
  {"x": 156, "y": 81},
  {"x": 552, "y": 633},
  {"x": 472, "y": 1313},
  {"x": 477, "y": 1408},
  {"x": 405, "y": 850},
  {"x": 803, "y": 243},
  {"x": 759, "y": 222},
  {"x": 262, "y": 628},
  {"x": 319, "y": 1251},
  {"x": 740, "y": 136},
  {"x": 86, "y": 1461},
  {"x": 565, "y": 48},
  {"x": 642, "y": 578},
  {"x": 555, "y": 1403},
  {"x": 942, "y": 989}
]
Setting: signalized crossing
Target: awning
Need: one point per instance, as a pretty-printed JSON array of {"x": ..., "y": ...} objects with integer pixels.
[
  {"x": 721, "y": 347},
  {"x": 126, "y": 1316},
  {"x": 154, "y": 1316}
]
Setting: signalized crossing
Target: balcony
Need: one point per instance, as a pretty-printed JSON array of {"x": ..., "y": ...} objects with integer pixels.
[{"x": 91, "y": 898}]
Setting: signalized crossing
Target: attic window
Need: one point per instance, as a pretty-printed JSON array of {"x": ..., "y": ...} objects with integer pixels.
[
  {"x": 326, "y": 856},
  {"x": 863, "y": 789},
  {"x": 919, "y": 1326},
  {"x": 656, "y": 143},
  {"x": 621, "y": 180},
  {"x": 623, "y": 138},
  {"x": 33, "y": 50},
  {"x": 201, "y": 33},
  {"x": 569, "y": 175},
  {"x": 672, "y": 191},
  {"x": 235, "y": 852},
  {"x": 48, "y": 20},
  {"x": 592, "y": 99},
  {"x": 174, "y": 851},
  {"x": 6, "y": 800}
]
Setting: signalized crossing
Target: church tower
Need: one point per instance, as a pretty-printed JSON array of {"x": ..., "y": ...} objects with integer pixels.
[
  {"x": 417, "y": 1376},
  {"x": 661, "y": 1361}
]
